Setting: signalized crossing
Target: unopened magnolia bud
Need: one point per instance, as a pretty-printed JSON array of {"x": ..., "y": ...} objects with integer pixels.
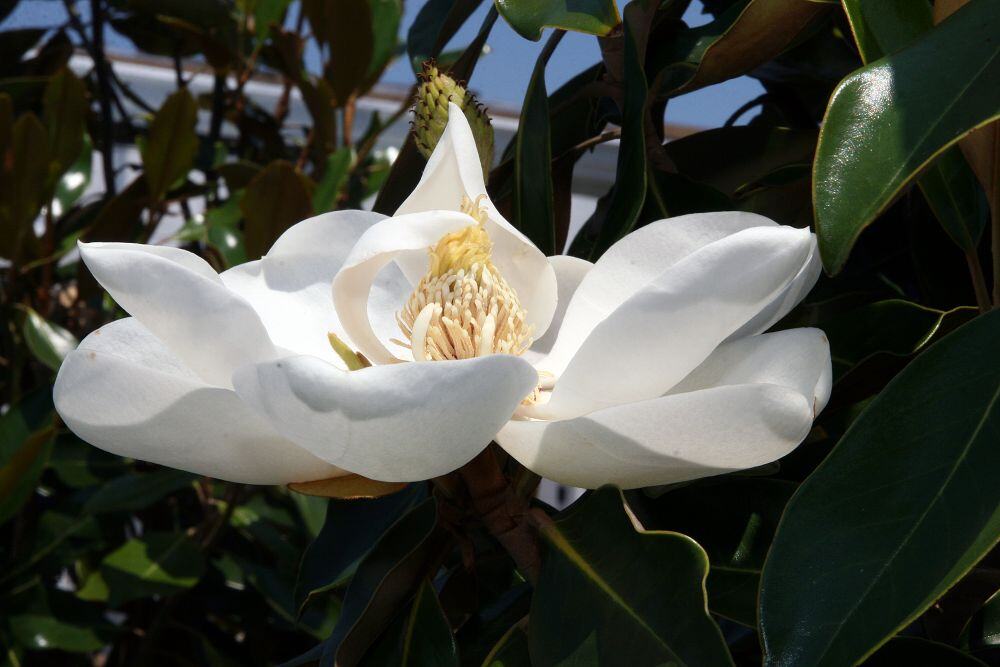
[{"x": 431, "y": 114}]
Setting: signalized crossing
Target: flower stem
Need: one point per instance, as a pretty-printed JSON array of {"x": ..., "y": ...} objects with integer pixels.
[{"x": 502, "y": 511}]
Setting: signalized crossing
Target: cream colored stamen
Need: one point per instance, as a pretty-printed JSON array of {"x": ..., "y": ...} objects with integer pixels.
[{"x": 463, "y": 308}]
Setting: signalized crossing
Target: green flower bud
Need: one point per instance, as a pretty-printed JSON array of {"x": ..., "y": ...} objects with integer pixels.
[{"x": 430, "y": 113}]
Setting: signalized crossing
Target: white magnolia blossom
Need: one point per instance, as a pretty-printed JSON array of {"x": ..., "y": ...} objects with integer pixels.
[{"x": 646, "y": 367}]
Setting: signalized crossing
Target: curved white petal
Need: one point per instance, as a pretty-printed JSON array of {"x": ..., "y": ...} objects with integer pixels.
[
  {"x": 181, "y": 300},
  {"x": 570, "y": 272},
  {"x": 648, "y": 343},
  {"x": 290, "y": 286},
  {"x": 795, "y": 358},
  {"x": 796, "y": 291},
  {"x": 124, "y": 392},
  {"x": 641, "y": 257},
  {"x": 395, "y": 423},
  {"x": 454, "y": 172},
  {"x": 392, "y": 239},
  {"x": 665, "y": 440}
]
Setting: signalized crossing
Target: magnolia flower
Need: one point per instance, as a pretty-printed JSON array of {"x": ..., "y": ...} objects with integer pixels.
[{"x": 646, "y": 367}]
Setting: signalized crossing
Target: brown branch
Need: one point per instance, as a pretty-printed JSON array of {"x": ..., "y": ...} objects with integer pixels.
[{"x": 502, "y": 511}]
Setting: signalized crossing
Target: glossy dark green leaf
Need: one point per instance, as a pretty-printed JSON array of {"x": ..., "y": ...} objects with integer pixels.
[
  {"x": 917, "y": 652},
  {"x": 80, "y": 465},
  {"x": 171, "y": 145},
  {"x": 529, "y": 17},
  {"x": 734, "y": 520},
  {"x": 881, "y": 28},
  {"x": 328, "y": 189},
  {"x": 74, "y": 180},
  {"x": 26, "y": 434},
  {"x": 748, "y": 34},
  {"x": 154, "y": 564},
  {"x": 40, "y": 632},
  {"x": 893, "y": 326},
  {"x": 731, "y": 158},
  {"x": 629, "y": 191},
  {"x": 982, "y": 633},
  {"x": 860, "y": 552},
  {"x": 137, "y": 491},
  {"x": 534, "y": 214},
  {"x": 275, "y": 199},
  {"x": 428, "y": 639},
  {"x": 882, "y": 129},
  {"x": 511, "y": 651},
  {"x": 385, "y": 578},
  {"x": 604, "y": 589},
  {"x": 436, "y": 23},
  {"x": 350, "y": 530},
  {"x": 49, "y": 342}
]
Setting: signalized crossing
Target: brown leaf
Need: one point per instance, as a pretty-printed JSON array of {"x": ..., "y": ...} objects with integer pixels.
[
  {"x": 64, "y": 114},
  {"x": 172, "y": 143},
  {"x": 275, "y": 199},
  {"x": 349, "y": 486}
]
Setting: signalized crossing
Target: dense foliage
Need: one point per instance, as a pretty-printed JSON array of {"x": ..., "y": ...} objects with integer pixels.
[{"x": 873, "y": 542}]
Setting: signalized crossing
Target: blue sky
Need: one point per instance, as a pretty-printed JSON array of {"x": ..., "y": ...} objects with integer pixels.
[{"x": 502, "y": 75}]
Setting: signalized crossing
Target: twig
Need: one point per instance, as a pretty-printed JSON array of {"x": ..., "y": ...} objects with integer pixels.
[
  {"x": 978, "y": 279},
  {"x": 104, "y": 86},
  {"x": 995, "y": 213}
]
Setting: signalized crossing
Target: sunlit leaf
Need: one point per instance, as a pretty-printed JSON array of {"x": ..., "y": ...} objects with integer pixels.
[
  {"x": 154, "y": 564},
  {"x": 49, "y": 342},
  {"x": 881, "y": 128},
  {"x": 948, "y": 184},
  {"x": 529, "y": 17}
]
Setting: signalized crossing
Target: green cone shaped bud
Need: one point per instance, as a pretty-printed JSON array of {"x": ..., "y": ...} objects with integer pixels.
[{"x": 431, "y": 114}]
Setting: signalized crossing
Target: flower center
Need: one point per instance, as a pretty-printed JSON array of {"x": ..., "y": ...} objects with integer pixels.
[{"x": 463, "y": 307}]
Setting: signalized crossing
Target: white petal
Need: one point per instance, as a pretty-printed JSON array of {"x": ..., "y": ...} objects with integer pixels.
[
  {"x": 795, "y": 358},
  {"x": 645, "y": 345},
  {"x": 454, "y": 172},
  {"x": 797, "y": 290},
  {"x": 181, "y": 300},
  {"x": 395, "y": 423},
  {"x": 290, "y": 286},
  {"x": 665, "y": 440},
  {"x": 124, "y": 392},
  {"x": 570, "y": 271},
  {"x": 640, "y": 258},
  {"x": 400, "y": 238}
]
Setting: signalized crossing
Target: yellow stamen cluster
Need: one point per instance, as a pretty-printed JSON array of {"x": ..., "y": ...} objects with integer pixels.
[{"x": 463, "y": 307}]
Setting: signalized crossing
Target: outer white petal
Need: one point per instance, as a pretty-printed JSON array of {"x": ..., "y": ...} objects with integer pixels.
[
  {"x": 788, "y": 299},
  {"x": 795, "y": 358},
  {"x": 123, "y": 391},
  {"x": 640, "y": 258},
  {"x": 290, "y": 286},
  {"x": 393, "y": 239},
  {"x": 645, "y": 345},
  {"x": 570, "y": 271},
  {"x": 179, "y": 298},
  {"x": 453, "y": 172},
  {"x": 665, "y": 440},
  {"x": 396, "y": 423}
]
